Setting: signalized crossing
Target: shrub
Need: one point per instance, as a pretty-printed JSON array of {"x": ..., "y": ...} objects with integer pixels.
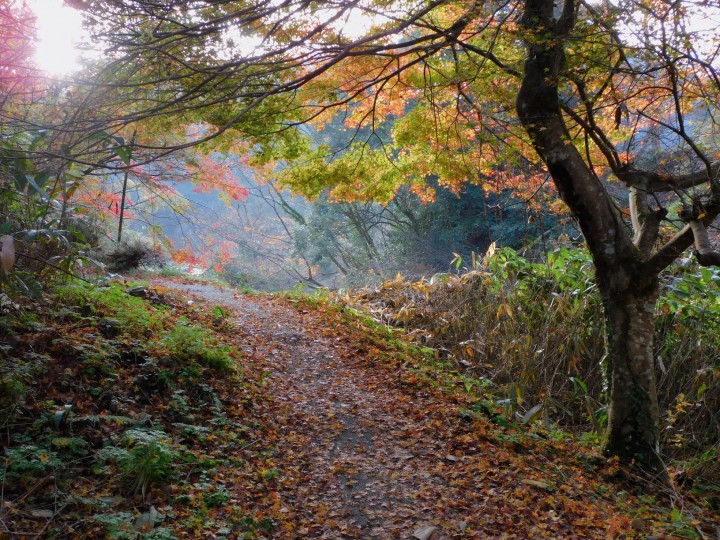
[
  {"x": 51, "y": 234},
  {"x": 526, "y": 327},
  {"x": 535, "y": 331},
  {"x": 133, "y": 252},
  {"x": 146, "y": 457}
]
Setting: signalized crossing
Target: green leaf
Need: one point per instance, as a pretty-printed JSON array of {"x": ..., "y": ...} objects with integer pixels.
[
  {"x": 37, "y": 189},
  {"x": 124, "y": 153},
  {"x": 579, "y": 382},
  {"x": 532, "y": 413},
  {"x": 102, "y": 135},
  {"x": 20, "y": 181},
  {"x": 41, "y": 178}
]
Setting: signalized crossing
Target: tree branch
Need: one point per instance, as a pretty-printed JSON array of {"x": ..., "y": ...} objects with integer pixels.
[
  {"x": 704, "y": 251},
  {"x": 645, "y": 221},
  {"x": 674, "y": 247},
  {"x": 653, "y": 182}
]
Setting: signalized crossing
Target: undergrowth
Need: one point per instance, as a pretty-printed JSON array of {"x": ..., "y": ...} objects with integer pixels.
[
  {"x": 132, "y": 417},
  {"x": 531, "y": 335},
  {"x": 118, "y": 416},
  {"x": 524, "y": 429}
]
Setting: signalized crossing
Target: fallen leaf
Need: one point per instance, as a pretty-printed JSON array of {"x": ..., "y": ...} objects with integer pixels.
[
  {"x": 425, "y": 533},
  {"x": 538, "y": 484},
  {"x": 42, "y": 513}
]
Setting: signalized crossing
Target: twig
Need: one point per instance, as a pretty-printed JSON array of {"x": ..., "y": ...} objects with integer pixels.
[{"x": 56, "y": 267}]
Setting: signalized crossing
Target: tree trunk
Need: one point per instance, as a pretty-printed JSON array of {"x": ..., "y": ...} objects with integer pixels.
[
  {"x": 633, "y": 413},
  {"x": 629, "y": 293}
]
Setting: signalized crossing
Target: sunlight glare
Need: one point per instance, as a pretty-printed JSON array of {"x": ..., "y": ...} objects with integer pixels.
[
  {"x": 356, "y": 24},
  {"x": 59, "y": 28}
]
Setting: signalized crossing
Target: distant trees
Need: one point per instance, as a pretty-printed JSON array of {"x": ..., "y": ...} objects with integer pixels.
[{"x": 281, "y": 240}]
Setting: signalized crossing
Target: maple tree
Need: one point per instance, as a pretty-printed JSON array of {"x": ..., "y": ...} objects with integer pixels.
[
  {"x": 17, "y": 73},
  {"x": 476, "y": 92}
]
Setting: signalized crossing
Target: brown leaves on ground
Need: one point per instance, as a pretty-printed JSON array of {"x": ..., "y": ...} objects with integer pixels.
[
  {"x": 330, "y": 428},
  {"x": 374, "y": 444}
]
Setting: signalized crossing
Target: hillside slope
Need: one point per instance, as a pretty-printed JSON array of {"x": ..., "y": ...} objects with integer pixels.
[{"x": 235, "y": 416}]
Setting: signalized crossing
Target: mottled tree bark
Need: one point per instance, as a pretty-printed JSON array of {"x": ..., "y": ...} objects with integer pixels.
[
  {"x": 633, "y": 412},
  {"x": 628, "y": 287}
]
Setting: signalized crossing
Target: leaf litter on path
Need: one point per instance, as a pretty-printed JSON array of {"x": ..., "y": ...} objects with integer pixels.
[{"x": 367, "y": 447}]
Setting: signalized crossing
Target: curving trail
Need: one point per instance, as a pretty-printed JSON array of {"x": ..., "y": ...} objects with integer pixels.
[{"x": 362, "y": 452}]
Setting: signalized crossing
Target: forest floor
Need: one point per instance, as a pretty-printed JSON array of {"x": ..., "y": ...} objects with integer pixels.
[
  {"x": 372, "y": 447},
  {"x": 332, "y": 427}
]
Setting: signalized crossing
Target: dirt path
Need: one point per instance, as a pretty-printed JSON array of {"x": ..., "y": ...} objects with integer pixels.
[{"x": 365, "y": 454}]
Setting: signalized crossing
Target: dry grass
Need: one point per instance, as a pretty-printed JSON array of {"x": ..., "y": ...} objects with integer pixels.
[{"x": 532, "y": 335}]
